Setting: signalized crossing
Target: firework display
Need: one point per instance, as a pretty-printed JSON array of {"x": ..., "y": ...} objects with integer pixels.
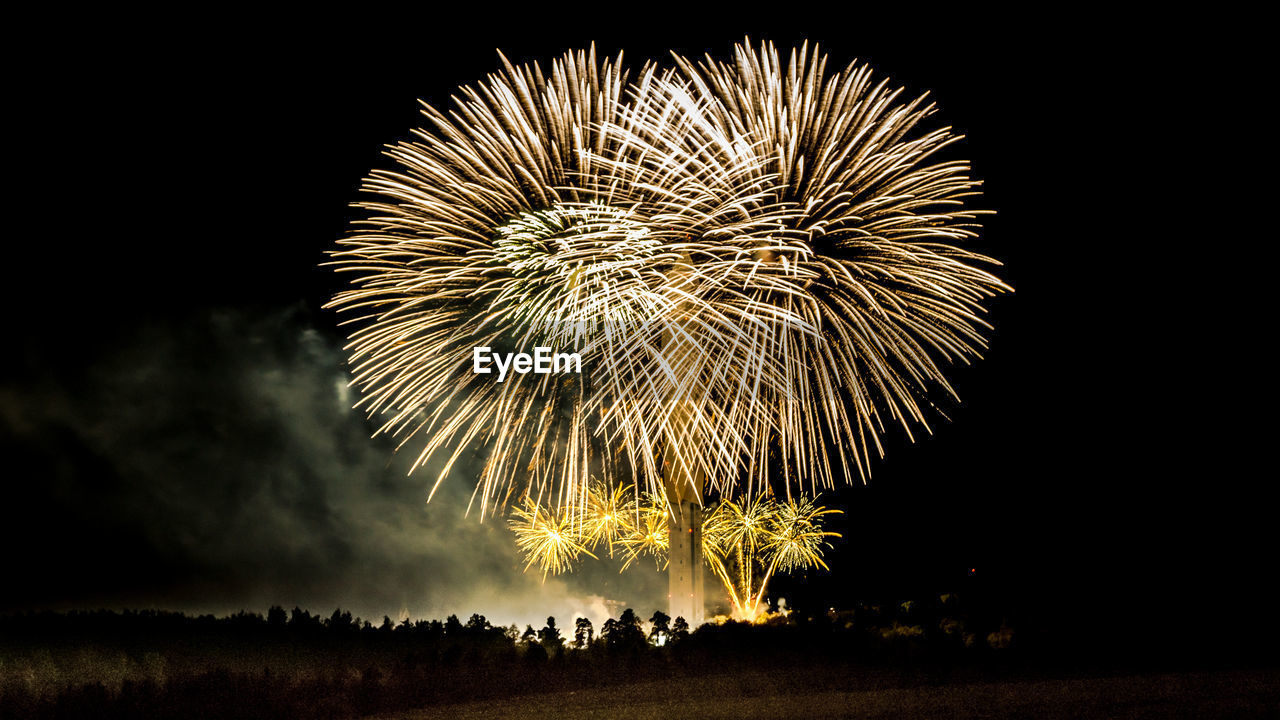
[
  {"x": 744, "y": 543},
  {"x": 757, "y": 263}
]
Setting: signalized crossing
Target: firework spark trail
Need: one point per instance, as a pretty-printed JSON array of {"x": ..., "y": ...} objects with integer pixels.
[{"x": 757, "y": 260}]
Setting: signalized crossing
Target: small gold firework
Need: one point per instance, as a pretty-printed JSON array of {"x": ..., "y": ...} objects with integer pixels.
[
  {"x": 547, "y": 538},
  {"x": 797, "y": 538},
  {"x": 607, "y": 519},
  {"x": 645, "y": 530}
]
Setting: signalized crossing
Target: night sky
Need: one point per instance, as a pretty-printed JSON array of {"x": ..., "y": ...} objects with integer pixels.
[{"x": 177, "y": 433}]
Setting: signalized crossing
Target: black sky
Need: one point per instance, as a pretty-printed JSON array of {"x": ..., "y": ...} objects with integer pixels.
[{"x": 169, "y": 411}]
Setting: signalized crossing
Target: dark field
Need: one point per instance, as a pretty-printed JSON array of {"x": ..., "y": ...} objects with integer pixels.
[{"x": 759, "y": 694}]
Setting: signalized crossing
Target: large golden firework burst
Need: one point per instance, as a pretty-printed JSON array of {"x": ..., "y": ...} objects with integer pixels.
[{"x": 758, "y": 262}]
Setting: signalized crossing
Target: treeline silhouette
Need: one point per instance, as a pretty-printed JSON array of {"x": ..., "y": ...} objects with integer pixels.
[{"x": 294, "y": 664}]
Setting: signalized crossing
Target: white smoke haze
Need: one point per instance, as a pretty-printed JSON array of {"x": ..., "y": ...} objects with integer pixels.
[{"x": 228, "y": 453}]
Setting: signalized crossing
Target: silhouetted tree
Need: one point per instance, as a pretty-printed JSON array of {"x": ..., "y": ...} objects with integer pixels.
[
  {"x": 276, "y": 617},
  {"x": 583, "y": 633},
  {"x": 624, "y": 634},
  {"x": 340, "y": 620},
  {"x": 680, "y": 630},
  {"x": 245, "y": 620},
  {"x": 661, "y": 629},
  {"x": 452, "y": 626},
  {"x": 550, "y": 638}
]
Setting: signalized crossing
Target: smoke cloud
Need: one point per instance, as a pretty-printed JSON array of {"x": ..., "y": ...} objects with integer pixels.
[{"x": 215, "y": 465}]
